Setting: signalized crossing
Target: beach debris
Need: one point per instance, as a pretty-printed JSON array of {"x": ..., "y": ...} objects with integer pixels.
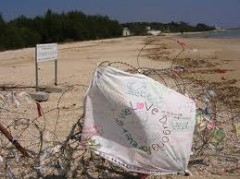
[
  {"x": 46, "y": 165},
  {"x": 203, "y": 121},
  {"x": 120, "y": 110},
  {"x": 236, "y": 128},
  {"x": 16, "y": 155},
  {"x": 93, "y": 144},
  {"x": 10, "y": 172},
  {"x": 181, "y": 42},
  {"x": 14, "y": 99},
  {"x": 195, "y": 50},
  {"x": 143, "y": 176},
  {"x": 39, "y": 96},
  {"x": 1, "y": 159},
  {"x": 199, "y": 116},
  {"x": 39, "y": 109},
  {"x": 208, "y": 111},
  {"x": 179, "y": 68},
  {"x": 2, "y": 101},
  {"x": 211, "y": 125},
  {"x": 26, "y": 96},
  {"x": 222, "y": 71},
  {"x": 218, "y": 136},
  {"x": 205, "y": 139},
  {"x": 208, "y": 94},
  {"x": 11, "y": 98}
]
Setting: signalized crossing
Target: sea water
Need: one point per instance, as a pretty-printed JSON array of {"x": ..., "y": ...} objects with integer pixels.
[{"x": 216, "y": 34}]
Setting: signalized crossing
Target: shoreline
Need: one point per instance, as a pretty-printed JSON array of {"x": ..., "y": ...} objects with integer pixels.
[{"x": 215, "y": 34}]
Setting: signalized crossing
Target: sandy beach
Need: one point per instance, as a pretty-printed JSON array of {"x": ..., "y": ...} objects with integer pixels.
[
  {"x": 212, "y": 60},
  {"x": 77, "y": 61}
]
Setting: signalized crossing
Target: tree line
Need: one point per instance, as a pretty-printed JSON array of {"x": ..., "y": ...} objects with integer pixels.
[
  {"x": 139, "y": 28},
  {"x": 74, "y": 26},
  {"x": 56, "y": 27}
]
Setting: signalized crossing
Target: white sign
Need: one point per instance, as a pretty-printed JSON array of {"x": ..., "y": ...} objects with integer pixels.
[
  {"x": 46, "y": 52},
  {"x": 138, "y": 123}
]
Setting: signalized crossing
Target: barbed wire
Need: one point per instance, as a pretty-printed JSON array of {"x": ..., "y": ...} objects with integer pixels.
[{"x": 52, "y": 139}]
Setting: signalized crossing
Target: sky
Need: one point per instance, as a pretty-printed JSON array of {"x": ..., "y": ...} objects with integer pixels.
[{"x": 223, "y": 13}]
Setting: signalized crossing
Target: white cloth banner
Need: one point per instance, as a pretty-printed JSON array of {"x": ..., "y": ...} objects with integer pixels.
[{"x": 138, "y": 123}]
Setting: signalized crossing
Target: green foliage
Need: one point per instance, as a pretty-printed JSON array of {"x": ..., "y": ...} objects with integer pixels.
[
  {"x": 139, "y": 28},
  {"x": 203, "y": 27},
  {"x": 75, "y": 26},
  {"x": 55, "y": 27}
]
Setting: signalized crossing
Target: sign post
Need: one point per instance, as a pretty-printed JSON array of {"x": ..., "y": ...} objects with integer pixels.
[
  {"x": 55, "y": 83},
  {"x": 45, "y": 52}
]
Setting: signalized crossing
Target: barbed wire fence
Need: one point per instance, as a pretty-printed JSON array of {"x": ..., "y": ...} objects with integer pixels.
[{"x": 49, "y": 133}]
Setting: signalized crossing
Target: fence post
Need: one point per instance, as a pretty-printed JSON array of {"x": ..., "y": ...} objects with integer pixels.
[{"x": 13, "y": 141}]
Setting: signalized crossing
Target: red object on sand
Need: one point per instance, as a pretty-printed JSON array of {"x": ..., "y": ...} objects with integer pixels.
[
  {"x": 222, "y": 70},
  {"x": 181, "y": 43},
  {"x": 143, "y": 176},
  {"x": 211, "y": 125},
  {"x": 39, "y": 109}
]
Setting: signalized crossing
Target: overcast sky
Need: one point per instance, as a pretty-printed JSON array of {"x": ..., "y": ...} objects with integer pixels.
[{"x": 225, "y": 13}]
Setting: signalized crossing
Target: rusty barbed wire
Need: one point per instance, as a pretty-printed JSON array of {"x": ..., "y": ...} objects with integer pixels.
[{"x": 54, "y": 145}]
